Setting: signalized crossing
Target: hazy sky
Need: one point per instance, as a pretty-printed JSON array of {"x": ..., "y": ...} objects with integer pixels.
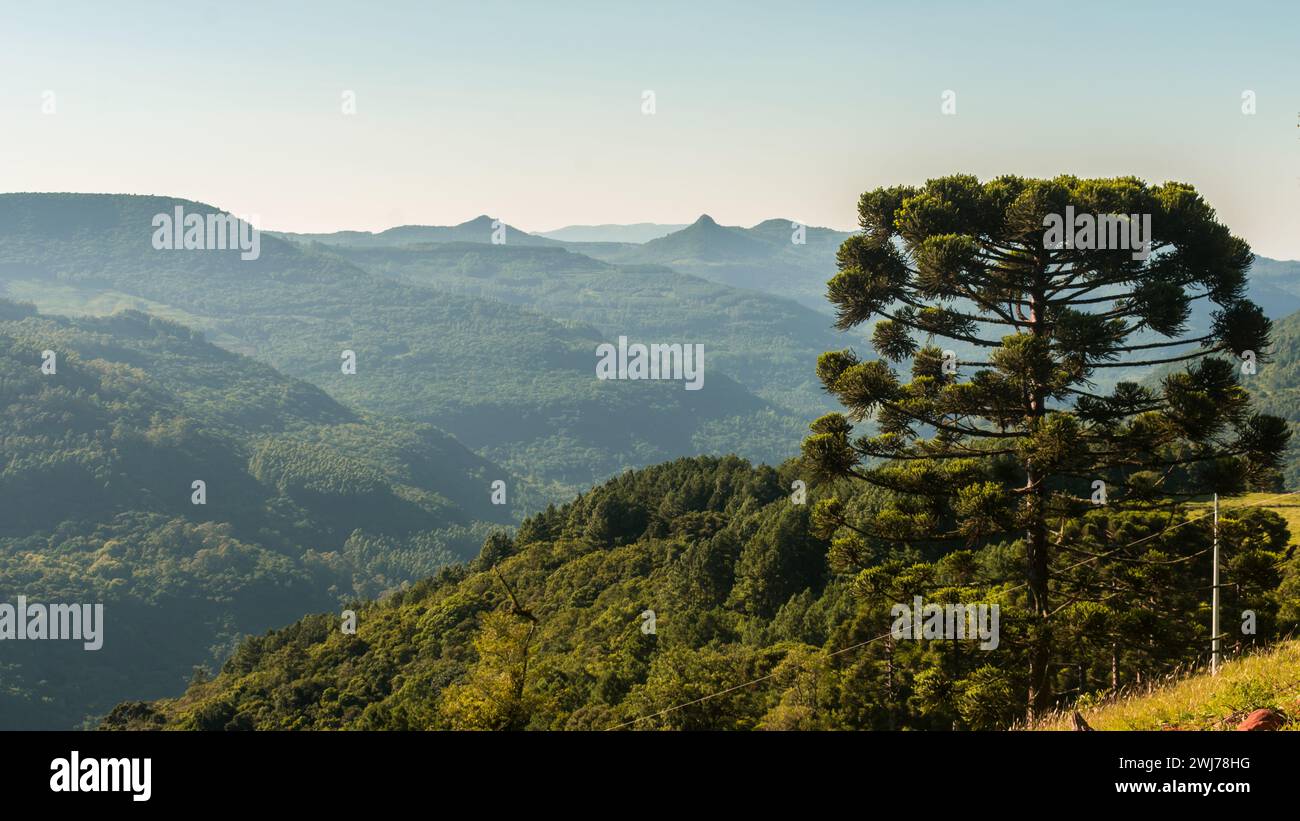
[{"x": 533, "y": 112}]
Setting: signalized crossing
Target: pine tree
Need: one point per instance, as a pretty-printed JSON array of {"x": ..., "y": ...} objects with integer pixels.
[{"x": 1007, "y": 432}]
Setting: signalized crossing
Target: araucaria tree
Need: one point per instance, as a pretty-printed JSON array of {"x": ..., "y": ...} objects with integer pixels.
[{"x": 1051, "y": 367}]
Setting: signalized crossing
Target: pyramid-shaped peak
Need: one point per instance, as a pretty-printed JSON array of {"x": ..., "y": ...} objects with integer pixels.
[{"x": 706, "y": 221}]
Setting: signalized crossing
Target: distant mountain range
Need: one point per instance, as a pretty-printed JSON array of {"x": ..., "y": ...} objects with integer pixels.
[
  {"x": 778, "y": 256},
  {"x": 516, "y": 386},
  {"x": 638, "y": 232},
  {"x": 481, "y": 229},
  {"x": 1275, "y": 286}
]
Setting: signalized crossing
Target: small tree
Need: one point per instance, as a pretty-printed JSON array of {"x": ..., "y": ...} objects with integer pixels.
[{"x": 1007, "y": 432}]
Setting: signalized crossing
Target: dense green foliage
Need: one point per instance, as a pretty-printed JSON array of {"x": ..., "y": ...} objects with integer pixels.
[
  {"x": 307, "y": 503},
  {"x": 746, "y": 595}
]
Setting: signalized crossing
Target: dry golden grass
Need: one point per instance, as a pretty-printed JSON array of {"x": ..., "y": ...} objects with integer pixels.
[{"x": 1200, "y": 701}]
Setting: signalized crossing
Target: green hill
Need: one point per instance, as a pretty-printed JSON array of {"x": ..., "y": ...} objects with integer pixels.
[
  {"x": 758, "y": 622},
  {"x": 307, "y": 504}
]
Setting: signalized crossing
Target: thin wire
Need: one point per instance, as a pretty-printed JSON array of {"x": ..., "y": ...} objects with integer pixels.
[{"x": 772, "y": 674}]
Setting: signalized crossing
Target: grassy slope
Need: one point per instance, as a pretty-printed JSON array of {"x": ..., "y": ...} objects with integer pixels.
[
  {"x": 1204, "y": 702},
  {"x": 1199, "y": 701}
]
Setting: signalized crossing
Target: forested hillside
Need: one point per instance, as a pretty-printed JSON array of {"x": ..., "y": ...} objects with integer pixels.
[
  {"x": 758, "y": 621},
  {"x": 513, "y": 386},
  {"x": 306, "y": 503},
  {"x": 763, "y": 341},
  {"x": 1276, "y": 385}
]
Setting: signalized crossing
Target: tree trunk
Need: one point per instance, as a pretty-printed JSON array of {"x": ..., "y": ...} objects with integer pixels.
[{"x": 1040, "y": 652}]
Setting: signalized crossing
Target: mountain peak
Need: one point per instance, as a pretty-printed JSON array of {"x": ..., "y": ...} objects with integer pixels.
[{"x": 706, "y": 221}]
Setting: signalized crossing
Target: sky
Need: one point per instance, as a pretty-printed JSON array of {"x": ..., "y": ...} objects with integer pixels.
[{"x": 534, "y": 113}]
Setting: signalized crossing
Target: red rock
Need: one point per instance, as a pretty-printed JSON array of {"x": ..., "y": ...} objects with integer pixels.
[{"x": 1262, "y": 719}]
